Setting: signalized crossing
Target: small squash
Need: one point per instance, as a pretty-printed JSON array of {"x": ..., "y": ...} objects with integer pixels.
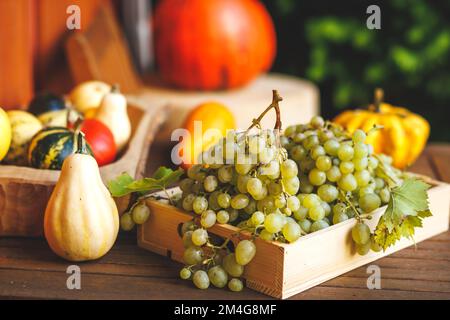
[
  {"x": 50, "y": 147},
  {"x": 402, "y": 134},
  {"x": 101, "y": 141},
  {"x": 88, "y": 95},
  {"x": 46, "y": 102},
  {"x": 113, "y": 113},
  {"x": 5, "y": 133},
  {"x": 24, "y": 126},
  {"x": 81, "y": 220},
  {"x": 58, "y": 118}
]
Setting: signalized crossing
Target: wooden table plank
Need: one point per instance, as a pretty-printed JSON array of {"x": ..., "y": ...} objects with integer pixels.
[{"x": 28, "y": 269}]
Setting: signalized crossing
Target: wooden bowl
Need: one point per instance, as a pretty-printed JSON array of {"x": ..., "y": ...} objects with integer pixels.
[{"x": 24, "y": 192}]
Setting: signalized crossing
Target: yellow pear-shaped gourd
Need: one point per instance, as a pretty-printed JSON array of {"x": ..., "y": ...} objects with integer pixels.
[
  {"x": 81, "y": 219},
  {"x": 113, "y": 113}
]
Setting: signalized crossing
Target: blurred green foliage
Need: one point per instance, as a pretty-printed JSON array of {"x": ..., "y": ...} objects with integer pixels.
[{"x": 328, "y": 42}]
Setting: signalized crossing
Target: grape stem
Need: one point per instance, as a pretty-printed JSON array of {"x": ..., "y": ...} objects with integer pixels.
[
  {"x": 276, "y": 98},
  {"x": 350, "y": 204}
]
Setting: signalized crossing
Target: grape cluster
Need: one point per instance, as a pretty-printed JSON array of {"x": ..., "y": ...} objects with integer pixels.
[
  {"x": 249, "y": 182},
  {"x": 340, "y": 178}
]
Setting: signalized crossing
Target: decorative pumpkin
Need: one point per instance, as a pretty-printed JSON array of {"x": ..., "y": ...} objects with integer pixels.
[
  {"x": 24, "y": 126},
  {"x": 46, "y": 102},
  {"x": 81, "y": 220},
  {"x": 5, "y": 133},
  {"x": 50, "y": 147},
  {"x": 88, "y": 95},
  {"x": 215, "y": 119},
  {"x": 211, "y": 45},
  {"x": 101, "y": 141},
  {"x": 58, "y": 118},
  {"x": 113, "y": 113},
  {"x": 402, "y": 134}
]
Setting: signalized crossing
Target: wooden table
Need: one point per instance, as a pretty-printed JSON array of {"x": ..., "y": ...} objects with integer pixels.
[{"x": 28, "y": 269}]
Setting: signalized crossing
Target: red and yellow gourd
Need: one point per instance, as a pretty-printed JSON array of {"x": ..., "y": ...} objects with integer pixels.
[
  {"x": 402, "y": 134},
  {"x": 81, "y": 219}
]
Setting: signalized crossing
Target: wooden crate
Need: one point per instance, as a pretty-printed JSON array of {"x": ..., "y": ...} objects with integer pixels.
[
  {"x": 282, "y": 270},
  {"x": 24, "y": 192}
]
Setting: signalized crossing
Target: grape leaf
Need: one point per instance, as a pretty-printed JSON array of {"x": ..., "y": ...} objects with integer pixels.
[
  {"x": 161, "y": 179},
  {"x": 406, "y": 209}
]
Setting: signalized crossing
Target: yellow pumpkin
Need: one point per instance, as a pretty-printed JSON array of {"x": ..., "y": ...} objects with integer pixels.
[
  {"x": 5, "y": 134},
  {"x": 81, "y": 220},
  {"x": 402, "y": 134}
]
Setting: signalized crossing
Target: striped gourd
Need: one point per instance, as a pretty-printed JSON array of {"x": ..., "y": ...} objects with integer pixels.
[{"x": 50, "y": 146}]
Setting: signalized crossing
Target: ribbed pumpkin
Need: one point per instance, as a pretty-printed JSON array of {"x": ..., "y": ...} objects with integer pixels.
[
  {"x": 402, "y": 134},
  {"x": 50, "y": 147},
  {"x": 208, "y": 45},
  {"x": 81, "y": 220}
]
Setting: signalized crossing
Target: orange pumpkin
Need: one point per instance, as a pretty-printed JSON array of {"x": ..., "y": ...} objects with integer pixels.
[{"x": 209, "y": 45}]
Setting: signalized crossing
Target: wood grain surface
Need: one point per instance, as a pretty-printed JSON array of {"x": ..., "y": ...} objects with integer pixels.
[{"x": 28, "y": 269}]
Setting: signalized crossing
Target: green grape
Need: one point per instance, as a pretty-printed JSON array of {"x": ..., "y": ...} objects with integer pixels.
[
  {"x": 257, "y": 218},
  {"x": 262, "y": 194},
  {"x": 374, "y": 245},
  {"x": 311, "y": 200},
  {"x": 291, "y": 231},
  {"x": 305, "y": 186},
  {"x": 280, "y": 201},
  {"x": 245, "y": 251},
  {"x": 348, "y": 182},
  {"x": 266, "y": 204},
  {"x": 289, "y": 131},
  {"x": 187, "y": 239},
  {"x": 385, "y": 195},
  {"x": 361, "y": 150},
  {"x": 140, "y": 213},
  {"x": 293, "y": 203},
  {"x": 201, "y": 279},
  {"x": 323, "y": 163},
  {"x": 317, "y": 151},
  {"x": 254, "y": 187},
  {"x": 363, "y": 249},
  {"x": 359, "y": 136},
  {"x": 275, "y": 188},
  {"x": 333, "y": 175},
  {"x": 188, "y": 226},
  {"x": 325, "y": 135},
  {"x": 224, "y": 200},
  {"x": 188, "y": 201},
  {"x": 223, "y": 217},
  {"x": 361, "y": 233},
  {"x": 186, "y": 185},
  {"x": 299, "y": 137},
  {"x": 243, "y": 166},
  {"x": 185, "y": 273},
  {"x": 218, "y": 276},
  {"x": 372, "y": 163},
  {"x": 326, "y": 207},
  {"x": 289, "y": 169},
  {"x": 345, "y": 152},
  {"x": 225, "y": 174},
  {"x": 336, "y": 162},
  {"x": 200, "y": 204},
  {"x": 208, "y": 219},
  {"x": 235, "y": 285},
  {"x": 317, "y": 122},
  {"x": 197, "y": 187},
  {"x": 234, "y": 214},
  {"x": 256, "y": 144},
  {"x": 199, "y": 237},
  {"x": 327, "y": 192},
  {"x": 298, "y": 153},
  {"x": 266, "y": 235},
  {"x": 126, "y": 222},
  {"x": 267, "y": 154},
  {"x": 193, "y": 171},
  {"x": 213, "y": 203},
  {"x": 369, "y": 202},
  {"x": 339, "y": 208},
  {"x": 331, "y": 147},
  {"x": 319, "y": 225},
  {"x": 274, "y": 222},
  {"x": 326, "y": 220},
  {"x": 210, "y": 183},
  {"x": 360, "y": 163},
  {"x": 346, "y": 167},
  {"x": 251, "y": 207},
  {"x": 339, "y": 217},
  {"x": 362, "y": 178},
  {"x": 316, "y": 213},
  {"x": 365, "y": 190},
  {"x": 193, "y": 255},
  {"x": 270, "y": 169},
  {"x": 242, "y": 183},
  {"x": 305, "y": 225},
  {"x": 239, "y": 201},
  {"x": 379, "y": 183},
  {"x": 317, "y": 177},
  {"x": 310, "y": 142},
  {"x": 291, "y": 185},
  {"x": 231, "y": 266},
  {"x": 301, "y": 213}
]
